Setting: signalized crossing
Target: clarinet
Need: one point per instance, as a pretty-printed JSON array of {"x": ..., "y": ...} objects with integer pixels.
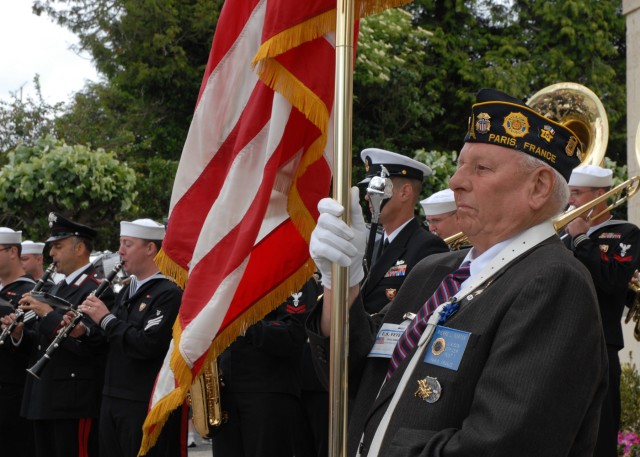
[
  {"x": 38, "y": 367},
  {"x": 20, "y": 314}
]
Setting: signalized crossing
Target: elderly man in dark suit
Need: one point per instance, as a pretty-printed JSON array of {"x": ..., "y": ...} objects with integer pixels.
[
  {"x": 404, "y": 241},
  {"x": 506, "y": 355}
]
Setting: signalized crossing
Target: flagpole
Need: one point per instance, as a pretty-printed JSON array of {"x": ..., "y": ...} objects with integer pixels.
[{"x": 341, "y": 188}]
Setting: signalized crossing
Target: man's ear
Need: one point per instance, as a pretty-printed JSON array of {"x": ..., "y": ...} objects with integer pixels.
[
  {"x": 406, "y": 191},
  {"x": 151, "y": 249},
  {"x": 542, "y": 181}
]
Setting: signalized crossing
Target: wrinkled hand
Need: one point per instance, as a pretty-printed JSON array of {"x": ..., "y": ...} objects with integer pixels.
[{"x": 333, "y": 241}]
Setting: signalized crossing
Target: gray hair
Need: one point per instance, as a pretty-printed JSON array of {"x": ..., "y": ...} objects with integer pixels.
[{"x": 560, "y": 193}]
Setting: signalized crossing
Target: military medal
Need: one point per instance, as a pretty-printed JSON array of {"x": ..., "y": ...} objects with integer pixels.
[
  {"x": 142, "y": 306},
  {"x": 429, "y": 389},
  {"x": 390, "y": 293}
]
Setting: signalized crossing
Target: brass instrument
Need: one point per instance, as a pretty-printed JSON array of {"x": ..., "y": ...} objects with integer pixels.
[
  {"x": 39, "y": 366},
  {"x": 621, "y": 193},
  {"x": 22, "y": 315},
  {"x": 580, "y": 110},
  {"x": 457, "y": 241},
  {"x": 204, "y": 397}
]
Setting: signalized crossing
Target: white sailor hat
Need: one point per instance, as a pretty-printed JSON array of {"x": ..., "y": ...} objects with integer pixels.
[
  {"x": 439, "y": 203},
  {"x": 591, "y": 176},
  {"x": 29, "y": 247},
  {"x": 8, "y": 236},
  {"x": 396, "y": 164},
  {"x": 146, "y": 229}
]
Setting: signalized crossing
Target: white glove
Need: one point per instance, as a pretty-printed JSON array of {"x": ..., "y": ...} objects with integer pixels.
[{"x": 333, "y": 241}]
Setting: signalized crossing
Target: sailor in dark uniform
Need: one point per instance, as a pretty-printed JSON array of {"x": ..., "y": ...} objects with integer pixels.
[
  {"x": 610, "y": 249},
  {"x": 14, "y": 430},
  {"x": 404, "y": 242},
  {"x": 261, "y": 383},
  {"x": 64, "y": 403},
  {"x": 138, "y": 329}
]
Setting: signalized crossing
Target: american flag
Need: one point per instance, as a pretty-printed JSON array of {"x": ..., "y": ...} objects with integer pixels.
[{"x": 256, "y": 161}]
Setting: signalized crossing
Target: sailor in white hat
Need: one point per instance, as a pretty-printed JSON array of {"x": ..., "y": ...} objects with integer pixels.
[
  {"x": 32, "y": 258},
  {"x": 585, "y": 184},
  {"x": 13, "y": 282},
  {"x": 440, "y": 209},
  {"x": 610, "y": 249},
  {"x": 139, "y": 329}
]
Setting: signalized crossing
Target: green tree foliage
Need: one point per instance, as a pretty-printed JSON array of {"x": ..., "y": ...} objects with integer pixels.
[
  {"x": 521, "y": 46},
  {"x": 23, "y": 121},
  {"x": 443, "y": 165},
  {"x": 152, "y": 56},
  {"x": 89, "y": 186},
  {"x": 630, "y": 398}
]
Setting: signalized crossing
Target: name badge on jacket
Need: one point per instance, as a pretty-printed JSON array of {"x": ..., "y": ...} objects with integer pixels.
[
  {"x": 447, "y": 347},
  {"x": 387, "y": 338}
]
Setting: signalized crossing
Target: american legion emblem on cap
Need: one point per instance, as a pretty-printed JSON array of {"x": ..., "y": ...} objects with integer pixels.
[{"x": 502, "y": 120}]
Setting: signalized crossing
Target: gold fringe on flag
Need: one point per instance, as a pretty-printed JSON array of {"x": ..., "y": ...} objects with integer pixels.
[
  {"x": 316, "y": 27},
  {"x": 171, "y": 269}
]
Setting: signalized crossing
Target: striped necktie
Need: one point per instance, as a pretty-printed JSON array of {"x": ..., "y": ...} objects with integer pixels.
[{"x": 449, "y": 286}]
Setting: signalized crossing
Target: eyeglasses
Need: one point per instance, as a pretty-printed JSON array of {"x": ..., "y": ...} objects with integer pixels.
[
  {"x": 437, "y": 220},
  {"x": 577, "y": 192}
]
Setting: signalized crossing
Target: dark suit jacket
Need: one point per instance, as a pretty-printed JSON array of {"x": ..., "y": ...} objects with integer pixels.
[
  {"x": 531, "y": 379},
  {"x": 389, "y": 271}
]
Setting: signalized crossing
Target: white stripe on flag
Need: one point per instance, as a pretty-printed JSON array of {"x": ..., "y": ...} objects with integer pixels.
[
  {"x": 198, "y": 334},
  {"x": 225, "y": 96}
]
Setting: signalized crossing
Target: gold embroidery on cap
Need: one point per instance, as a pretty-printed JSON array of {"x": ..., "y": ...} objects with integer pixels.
[{"x": 516, "y": 125}]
